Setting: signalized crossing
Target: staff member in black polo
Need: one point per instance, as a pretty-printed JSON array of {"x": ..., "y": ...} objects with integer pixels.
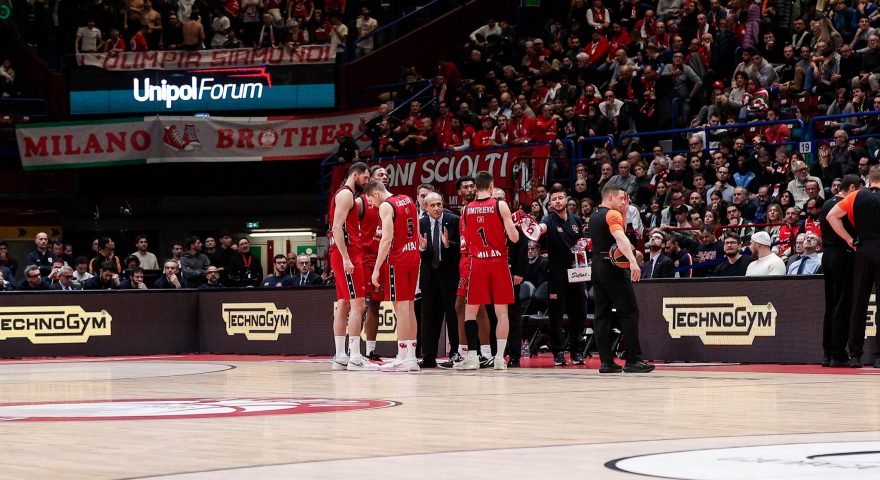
[
  {"x": 863, "y": 209},
  {"x": 612, "y": 282},
  {"x": 563, "y": 230},
  {"x": 837, "y": 267}
]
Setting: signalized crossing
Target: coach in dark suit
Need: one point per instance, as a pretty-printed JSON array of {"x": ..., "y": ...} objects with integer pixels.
[
  {"x": 657, "y": 265},
  {"x": 305, "y": 277},
  {"x": 438, "y": 276}
]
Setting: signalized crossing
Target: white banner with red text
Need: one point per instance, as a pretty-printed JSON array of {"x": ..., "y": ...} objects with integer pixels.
[
  {"x": 185, "y": 139},
  {"x": 222, "y": 58},
  {"x": 517, "y": 170}
]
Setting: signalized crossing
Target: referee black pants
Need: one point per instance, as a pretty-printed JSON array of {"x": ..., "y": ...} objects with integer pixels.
[
  {"x": 837, "y": 270},
  {"x": 866, "y": 274},
  {"x": 613, "y": 289},
  {"x": 571, "y": 299}
]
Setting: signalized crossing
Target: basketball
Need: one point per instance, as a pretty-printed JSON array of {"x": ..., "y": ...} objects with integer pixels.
[{"x": 617, "y": 257}]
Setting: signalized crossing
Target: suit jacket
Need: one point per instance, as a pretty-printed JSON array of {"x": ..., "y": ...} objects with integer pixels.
[
  {"x": 312, "y": 280},
  {"x": 449, "y": 255},
  {"x": 664, "y": 268}
]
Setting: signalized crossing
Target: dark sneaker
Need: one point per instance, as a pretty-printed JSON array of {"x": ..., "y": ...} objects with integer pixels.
[
  {"x": 877, "y": 362},
  {"x": 427, "y": 364},
  {"x": 577, "y": 359},
  {"x": 559, "y": 360},
  {"x": 455, "y": 358},
  {"x": 374, "y": 356},
  {"x": 826, "y": 361},
  {"x": 610, "y": 368},
  {"x": 855, "y": 363},
  {"x": 638, "y": 367},
  {"x": 839, "y": 363},
  {"x": 487, "y": 362},
  {"x": 513, "y": 363}
]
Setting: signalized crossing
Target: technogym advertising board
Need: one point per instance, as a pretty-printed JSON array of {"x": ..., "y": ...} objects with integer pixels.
[
  {"x": 766, "y": 320},
  {"x": 209, "y": 81}
]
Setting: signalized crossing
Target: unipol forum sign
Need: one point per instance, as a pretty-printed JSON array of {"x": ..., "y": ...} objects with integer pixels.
[
  {"x": 184, "y": 139},
  {"x": 207, "y": 81}
]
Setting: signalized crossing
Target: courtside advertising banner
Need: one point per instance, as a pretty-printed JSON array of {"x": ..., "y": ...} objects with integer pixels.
[
  {"x": 184, "y": 139},
  {"x": 165, "y": 82},
  {"x": 516, "y": 170}
]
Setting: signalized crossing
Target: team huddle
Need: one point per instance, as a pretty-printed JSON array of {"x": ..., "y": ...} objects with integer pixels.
[{"x": 375, "y": 252}]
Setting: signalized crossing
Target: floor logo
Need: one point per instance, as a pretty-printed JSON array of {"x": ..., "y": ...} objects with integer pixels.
[
  {"x": 180, "y": 408},
  {"x": 719, "y": 320},
  {"x": 804, "y": 461}
]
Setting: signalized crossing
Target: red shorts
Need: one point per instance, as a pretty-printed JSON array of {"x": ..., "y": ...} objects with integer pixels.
[
  {"x": 489, "y": 283},
  {"x": 348, "y": 285},
  {"x": 375, "y": 293},
  {"x": 464, "y": 271},
  {"x": 402, "y": 283}
]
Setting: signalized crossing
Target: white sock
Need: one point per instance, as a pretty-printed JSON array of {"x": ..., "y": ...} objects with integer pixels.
[
  {"x": 354, "y": 346},
  {"x": 340, "y": 345},
  {"x": 486, "y": 350},
  {"x": 471, "y": 354},
  {"x": 502, "y": 344},
  {"x": 462, "y": 350},
  {"x": 371, "y": 346},
  {"x": 412, "y": 349},
  {"x": 402, "y": 349}
]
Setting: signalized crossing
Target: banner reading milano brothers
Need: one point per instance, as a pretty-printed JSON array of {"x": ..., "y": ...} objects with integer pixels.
[{"x": 183, "y": 139}]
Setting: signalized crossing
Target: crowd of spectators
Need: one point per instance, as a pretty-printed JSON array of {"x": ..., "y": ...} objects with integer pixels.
[
  {"x": 141, "y": 25},
  {"x": 616, "y": 68},
  {"x": 222, "y": 261}
]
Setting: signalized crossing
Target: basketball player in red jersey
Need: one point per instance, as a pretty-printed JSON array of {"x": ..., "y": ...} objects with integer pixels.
[
  {"x": 486, "y": 221},
  {"x": 371, "y": 233},
  {"x": 400, "y": 248},
  {"x": 346, "y": 263},
  {"x": 467, "y": 190}
]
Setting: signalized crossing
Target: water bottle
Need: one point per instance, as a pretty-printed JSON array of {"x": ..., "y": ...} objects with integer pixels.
[{"x": 526, "y": 352}]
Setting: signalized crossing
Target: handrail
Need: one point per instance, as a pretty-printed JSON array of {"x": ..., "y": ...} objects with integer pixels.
[{"x": 813, "y": 120}]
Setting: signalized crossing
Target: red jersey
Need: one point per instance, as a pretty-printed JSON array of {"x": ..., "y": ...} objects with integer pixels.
[
  {"x": 485, "y": 234},
  {"x": 351, "y": 229},
  {"x": 405, "y": 247},
  {"x": 544, "y": 129},
  {"x": 371, "y": 232}
]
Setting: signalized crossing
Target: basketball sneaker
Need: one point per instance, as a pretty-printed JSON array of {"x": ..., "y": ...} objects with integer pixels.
[
  {"x": 500, "y": 363},
  {"x": 340, "y": 362},
  {"x": 468, "y": 363},
  {"x": 398, "y": 365},
  {"x": 486, "y": 362},
  {"x": 361, "y": 364},
  {"x": 374, "y": 356},
  {"x": 455, "y": 358}
]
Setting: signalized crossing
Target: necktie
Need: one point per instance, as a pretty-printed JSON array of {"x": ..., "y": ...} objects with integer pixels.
[
  {"x": 802, "y": 265},
  {"x": 654, "y": 265},
  {"x": 302, "y": 281},
  {"x": 435, "y": 240}
]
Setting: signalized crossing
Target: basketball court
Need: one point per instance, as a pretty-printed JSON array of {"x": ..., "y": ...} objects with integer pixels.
[{"x": 263, "y": 417}]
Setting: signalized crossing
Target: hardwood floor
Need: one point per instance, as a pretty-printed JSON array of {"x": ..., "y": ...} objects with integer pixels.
[{"x": 227, "y": 417}]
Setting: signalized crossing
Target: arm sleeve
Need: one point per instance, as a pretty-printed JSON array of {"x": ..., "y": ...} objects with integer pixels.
[
  {"x": 615, "y": 221},
  {"x": 847, "y": 205}
]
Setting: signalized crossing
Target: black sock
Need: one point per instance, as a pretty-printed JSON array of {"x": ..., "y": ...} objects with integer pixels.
[{"x": 473, "y": 335}]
